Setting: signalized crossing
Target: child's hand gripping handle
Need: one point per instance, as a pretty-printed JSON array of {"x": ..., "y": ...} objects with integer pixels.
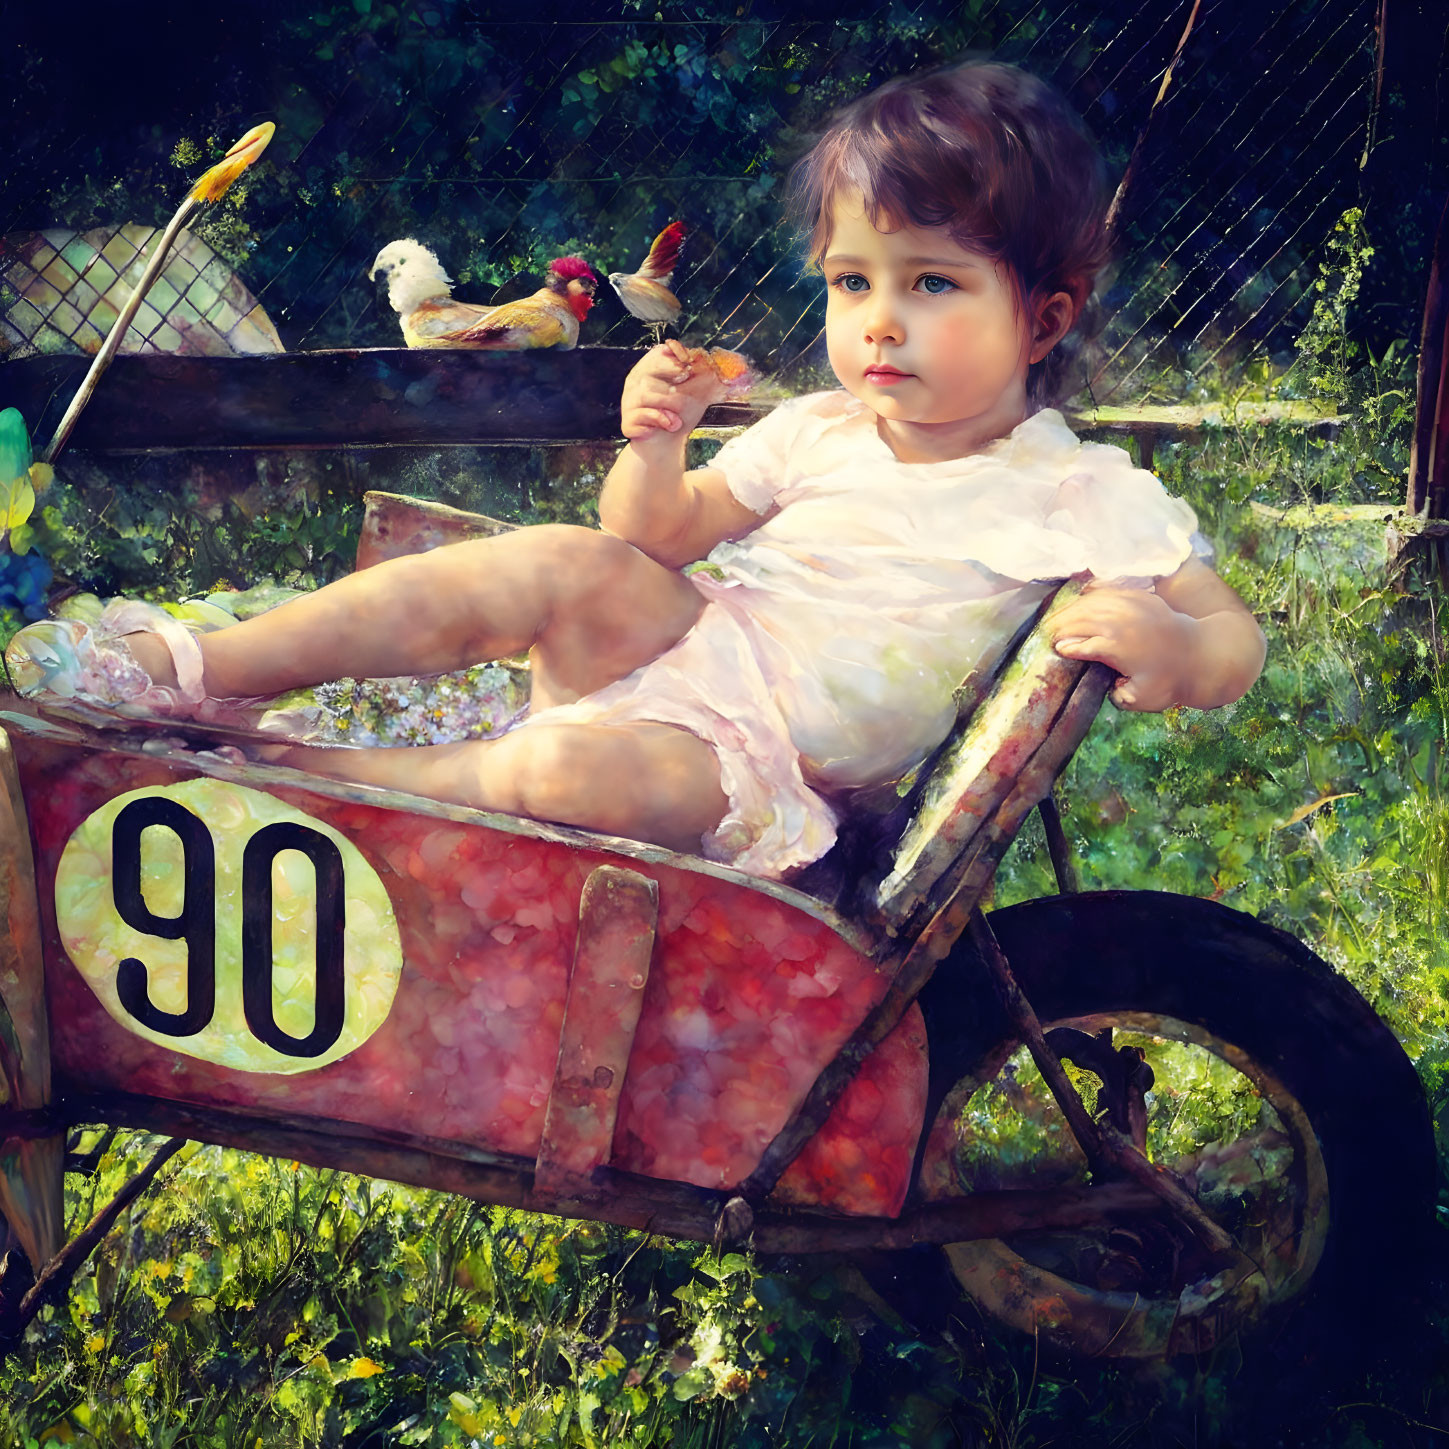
[
  {"x": 1133, "y": 632},
  {"x": 1188, "y": 640}
]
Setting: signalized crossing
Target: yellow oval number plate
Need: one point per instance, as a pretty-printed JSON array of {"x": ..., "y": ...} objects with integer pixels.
[{"x": 219, "y": 922}]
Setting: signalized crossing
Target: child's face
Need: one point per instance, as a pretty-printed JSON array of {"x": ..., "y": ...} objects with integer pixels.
[{"x": 930, "y": 336}]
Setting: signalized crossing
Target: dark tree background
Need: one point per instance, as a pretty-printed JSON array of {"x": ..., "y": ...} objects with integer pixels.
[{"x": 503, "y": 139}]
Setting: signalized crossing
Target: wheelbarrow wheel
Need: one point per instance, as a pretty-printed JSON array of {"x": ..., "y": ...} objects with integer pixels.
[{"x": 1276, "y": 1095}]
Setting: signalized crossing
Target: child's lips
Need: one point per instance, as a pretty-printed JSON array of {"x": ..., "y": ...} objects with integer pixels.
[{"x": 886, "y": 376}]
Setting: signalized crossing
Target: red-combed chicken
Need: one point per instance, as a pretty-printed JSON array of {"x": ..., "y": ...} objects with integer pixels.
[
  {"x": 646, "y": 293},
  {"x": 420, "y": 292}
]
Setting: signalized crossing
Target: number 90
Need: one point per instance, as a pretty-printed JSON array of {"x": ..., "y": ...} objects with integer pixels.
[
  {"x": 195, "y": 923},
  {"x": 222, "y": 923}
]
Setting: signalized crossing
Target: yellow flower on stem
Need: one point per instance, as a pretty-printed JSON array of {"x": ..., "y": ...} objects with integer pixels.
[
  {"x": 215, "y": 183},
  {"x": 211, "y": 187}
]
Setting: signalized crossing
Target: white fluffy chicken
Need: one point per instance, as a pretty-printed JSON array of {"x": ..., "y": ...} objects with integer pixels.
[{"x": 420, "y": 292}]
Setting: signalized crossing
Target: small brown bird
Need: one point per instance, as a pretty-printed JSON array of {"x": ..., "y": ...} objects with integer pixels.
[
  {"x": 646, "y": 292},
  {"x": 420, "y": 292}
]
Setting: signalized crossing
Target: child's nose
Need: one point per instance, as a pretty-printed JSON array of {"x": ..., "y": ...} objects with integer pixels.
[{"x": 883, "y": 319}]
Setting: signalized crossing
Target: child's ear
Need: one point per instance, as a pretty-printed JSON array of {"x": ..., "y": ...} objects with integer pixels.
[{"x": 1052, "y": 319}]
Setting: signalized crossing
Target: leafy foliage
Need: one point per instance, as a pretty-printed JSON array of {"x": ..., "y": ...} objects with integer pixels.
[
  {"x": 256, "y": 1302},
  {"x": 502, "y": 141}
]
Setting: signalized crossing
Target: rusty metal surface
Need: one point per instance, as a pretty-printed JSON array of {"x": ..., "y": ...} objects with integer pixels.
[
  {"x": 1004, "y": 764},
  {"x": 627, "y": 1199},
  {"x": 1193, "y": 1317},
  {"x": 750, "y": 997},
  {"x": 968, "y": 877},
  {"x": 1058, "y": 846},
  {"x": 941, "y": 913},
  {"x": 1104, "y": 1145},
  {"x": 618, "y": 911},
  {"x": 24, "y": 1031},
  {"x": 32, "y": 1194},
  {"x": 979, "y": 772},
  {"x": 31, "y": 1187},
  {"x": 394, "y": 526}
]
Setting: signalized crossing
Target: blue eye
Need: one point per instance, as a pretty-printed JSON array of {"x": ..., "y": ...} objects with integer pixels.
[
  {"x": 934, "y": 285},
  {"x": 852, "y": 282}
]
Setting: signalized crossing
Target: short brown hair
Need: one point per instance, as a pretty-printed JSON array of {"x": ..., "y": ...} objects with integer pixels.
[{"x": 993, "y": 154}]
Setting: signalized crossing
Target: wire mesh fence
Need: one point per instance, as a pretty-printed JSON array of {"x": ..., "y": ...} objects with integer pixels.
[
  {"x": 503, "y": 142},
  {"x": 61, "y": 290}
]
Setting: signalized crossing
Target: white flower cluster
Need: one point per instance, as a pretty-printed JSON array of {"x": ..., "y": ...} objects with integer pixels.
[{"x": 437, "y": 709}]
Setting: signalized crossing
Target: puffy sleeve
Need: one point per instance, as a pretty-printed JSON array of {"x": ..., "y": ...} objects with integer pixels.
[
  {"x": 756, "y": 464},
  {"x": 1063, "y": 507},
  {"x": 1128, "y": 524}
]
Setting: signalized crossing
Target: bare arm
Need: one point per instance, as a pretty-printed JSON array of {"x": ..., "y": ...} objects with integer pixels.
[
  {"x": 649, "y": 499},
  {"x": 1189, "y": 641}
]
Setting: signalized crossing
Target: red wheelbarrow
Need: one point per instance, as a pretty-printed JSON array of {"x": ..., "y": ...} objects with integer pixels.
[{"x": 570, "y": 1023}]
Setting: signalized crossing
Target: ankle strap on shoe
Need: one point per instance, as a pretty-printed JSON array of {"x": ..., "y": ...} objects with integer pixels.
[{"x": 134, "y": 616}]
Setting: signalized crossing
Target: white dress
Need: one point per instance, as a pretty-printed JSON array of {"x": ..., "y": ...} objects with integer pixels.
[{"x": 836, "y": 632}]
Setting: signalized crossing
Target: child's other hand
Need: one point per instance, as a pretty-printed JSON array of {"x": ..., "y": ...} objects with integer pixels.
[
  {"x": 1138, "y": 634},
  {"x": 667, "y": 391}
]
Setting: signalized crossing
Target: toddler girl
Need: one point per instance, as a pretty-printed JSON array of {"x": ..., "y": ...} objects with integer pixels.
[{"x": 866, "y": 548}]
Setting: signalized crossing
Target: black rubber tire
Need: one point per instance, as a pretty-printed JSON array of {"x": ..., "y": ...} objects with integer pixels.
[{"x": 1252, "y": 986}]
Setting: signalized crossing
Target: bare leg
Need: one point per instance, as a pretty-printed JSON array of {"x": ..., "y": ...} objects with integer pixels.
[
  {"x": 589, "y": 607},
  {"x": 651, "y": 782}
]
